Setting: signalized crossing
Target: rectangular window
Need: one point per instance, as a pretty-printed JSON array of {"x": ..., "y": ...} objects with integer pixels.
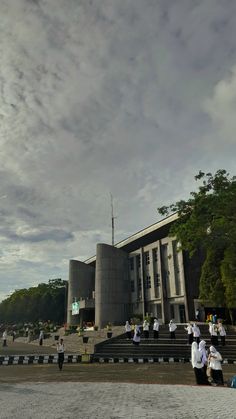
[
  {"x": 155, "y": 255},
  {"x": 147, "y": 258},
  {"x": 132, "y": 286},
  {"x": 157, "y": 280},
  {"x": 131, "y": 264},
  {"x": 148, "y": 281},
  {"x": 138, "y": 261}
]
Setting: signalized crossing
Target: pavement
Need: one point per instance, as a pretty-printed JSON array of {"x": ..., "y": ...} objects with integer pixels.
[{"x": 115, "y": 400}]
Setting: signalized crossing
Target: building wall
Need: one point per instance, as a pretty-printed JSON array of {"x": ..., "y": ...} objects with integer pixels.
[
  {"x": 81, "y": 286},
  {"x": 112, "y": 286}
]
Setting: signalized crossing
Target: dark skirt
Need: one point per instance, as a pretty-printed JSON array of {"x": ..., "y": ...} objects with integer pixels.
[
  {"x": 128, "y": 335},
  {"x": 200, "y": 375},
  {"x": 60, "y": 360},
  {"x": 190, "y": 339},
  {"x": 222, "y": 338},
  {"x": 136, "y": 343},
  {"x": 197, "y": 339},
  {"x": 214, "y": 340},
  {"x": 172, "y": 335},
  {"x": 155, "y": 334},
  {"x": 217, "y": 376},
  {"x": 146, "y": 334}
]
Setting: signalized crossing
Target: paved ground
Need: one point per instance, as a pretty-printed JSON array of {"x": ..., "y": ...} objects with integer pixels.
[{"x": 115, "y": 400}]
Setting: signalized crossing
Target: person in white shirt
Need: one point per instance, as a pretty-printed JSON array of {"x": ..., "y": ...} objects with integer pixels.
[
  {"x": 213, "y": 333},
  {"x": 196, "y": 361},
  {"x": 204, "y": 358},
  {"x": 146, "y": 329},
  {"x": 4, "y": 338},
  {"x": 41, "y": 336},
  {"x": 196, "y": 333},
  {"x": 128, "y": 330},
  {"x": 222, "y": 333},
  {"x": 215, "y": 360},
  {"x": 172, "y": 329},
  {"x": 60, "y": 351},
  {"x": 189, "y": 329},
  {"x": 156, "y": 326},
  {"x": 137, "y": 336}
]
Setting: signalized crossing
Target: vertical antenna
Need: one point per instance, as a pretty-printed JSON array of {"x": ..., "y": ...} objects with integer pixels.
[{"x": 112, "y": 223}]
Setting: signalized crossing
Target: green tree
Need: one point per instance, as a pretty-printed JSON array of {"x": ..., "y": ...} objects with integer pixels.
[{"x": 207, "y": 220}]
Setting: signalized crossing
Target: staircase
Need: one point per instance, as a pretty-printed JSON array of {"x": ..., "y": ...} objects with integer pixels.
[{"x": 119, "y": 349}]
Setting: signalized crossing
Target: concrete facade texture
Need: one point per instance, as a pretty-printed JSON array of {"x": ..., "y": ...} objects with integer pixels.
[{"x": 112, "y": 286}]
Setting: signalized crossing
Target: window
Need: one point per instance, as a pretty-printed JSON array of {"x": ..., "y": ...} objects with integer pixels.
[
  {"x": 131, "y": 264},
  {"x": 132, "y": 286},
  {"x": 138, "y": 261},
  {"x": 147, "y": 258},
  {"x": 155, "y": 255},
  {"x": 148, "y": 281},
  {"x": 157, "y": 280},
  {"x": 139, "y": 284}
]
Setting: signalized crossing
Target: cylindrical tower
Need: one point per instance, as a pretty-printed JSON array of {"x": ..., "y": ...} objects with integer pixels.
[
  {"x": 112, "y": 286},
  {"x": 80, "y": 285}
]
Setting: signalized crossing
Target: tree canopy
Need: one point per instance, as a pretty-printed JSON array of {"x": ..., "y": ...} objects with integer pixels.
[
  {"x": 207, "y": 220},
  {"x": 41, "y": 303}
]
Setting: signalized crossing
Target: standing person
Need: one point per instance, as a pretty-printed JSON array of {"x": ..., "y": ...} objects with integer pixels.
[
  {"x": 197, "y": 315},
  {"x": 13, "y": 335},
  {"x": 196, "y": 361},
  {"x": 196, "y": 333},
  {"x": 172, "y": 329},
  {"x": 128, "y": 330},
  {"x": 137, "y": 334},
  {"x": 60, "y": 351},
  {"x": 222, "y": 333},
  {"x": 215, "y": 359},
  {"x": 4, "y": 338},
  {"x": 146, "y": 329},
  {"x": 213, "y": 333},
  {"x": 204, "y": 358},
  {"x": 189, "y": 329},
  {"x": 156, "y": 326},
  {"x": 41, "y": 336}
]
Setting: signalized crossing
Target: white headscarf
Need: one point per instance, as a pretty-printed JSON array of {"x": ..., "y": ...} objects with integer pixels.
[{"x": 196, "y": 356}]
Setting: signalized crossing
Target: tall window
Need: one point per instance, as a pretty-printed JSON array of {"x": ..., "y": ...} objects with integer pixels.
[
  {"x": 138, "y": 261},
  {"x": 147, "y": 258}
]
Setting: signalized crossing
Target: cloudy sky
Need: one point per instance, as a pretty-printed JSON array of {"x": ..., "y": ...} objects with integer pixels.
[{"x": 132, "y": 97}]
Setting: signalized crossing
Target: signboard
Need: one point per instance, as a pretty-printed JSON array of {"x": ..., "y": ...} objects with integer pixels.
[{"x": 75, "y": 308}]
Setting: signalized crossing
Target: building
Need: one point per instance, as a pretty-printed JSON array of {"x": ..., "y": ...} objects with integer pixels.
[{"x": 144, "y": 274}]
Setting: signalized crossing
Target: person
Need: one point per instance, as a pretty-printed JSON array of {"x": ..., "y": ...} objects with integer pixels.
[
  {"x": 215, "y": 360},
  {"x": 222, "y": 333},
  {"x": 204, "y": 358},
  {"x": 13, "y": 335},
  {"x": 172, "y": 329},
  {"x": 60, "y": 351},
  {"x": 137, "y": 336},
  {"x": 4, "y": 338},
  {"x": 196, "y": 333},
  {"x": 146, "y": 329},
  {"x": 213, "y": 333},
  {"x": 189, "y": 329},
  {"x": 197, "y": 364},
  {"x": 156, "y": 326},
  {"x": 128, "y": 330},
  {"x": 197, "y": 314},
  {"x": 41, "y": 336}
]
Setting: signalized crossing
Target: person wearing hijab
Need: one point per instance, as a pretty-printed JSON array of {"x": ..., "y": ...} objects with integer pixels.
[
  {"x": 172, "y": 329},
  {"x": 137, "y": 334},
  {"x": 196, "y": 361},
  {"x": 215, "y": 359},
  {"x": 222, "y": 333},
  {"x": 189, "y": 329},
  {"x": 196, "y": 333},
  {"x": 213, "y": 333},
  {"x": 146, "y": 329},
  {"x": 204, "y": 358},
  {"x": 156, "y": 326},
  {"x": 128, "y": 330}
]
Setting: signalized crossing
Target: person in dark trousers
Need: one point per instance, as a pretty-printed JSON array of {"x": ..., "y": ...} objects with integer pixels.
[
  {"x": 4, "y": 338},
  {"x": 60, "y": 351},
  {"x": 41, "y": 336},
  {"x": 189, "y": 329},
  {"x": 222, "y": 333},
  {"x": 128, "y": 330},
  {"x": 172, "y": 329},
  {"x": 215, "y": 360},
  {"x": 156, "y": 329}
]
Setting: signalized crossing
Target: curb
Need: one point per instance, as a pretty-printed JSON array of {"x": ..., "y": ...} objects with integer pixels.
[{"x": 37, "y": 359}]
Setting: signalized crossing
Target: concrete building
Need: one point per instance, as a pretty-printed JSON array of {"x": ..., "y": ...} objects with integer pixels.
[{"x": 143, "y": 274}]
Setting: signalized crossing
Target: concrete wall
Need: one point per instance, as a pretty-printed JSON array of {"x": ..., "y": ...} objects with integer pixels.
[
  {"x": 112, "y": 286},
  {"x": 81, "y": 285}
]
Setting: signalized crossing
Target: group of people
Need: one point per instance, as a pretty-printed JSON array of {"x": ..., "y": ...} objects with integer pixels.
[
  {"x": 215, "y": 330},
  {"x": 207, "y": 365},
  {"x": 134, "y": 331}
]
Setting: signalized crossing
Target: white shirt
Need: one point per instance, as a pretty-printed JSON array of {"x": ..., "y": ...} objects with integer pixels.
[
  {"x": 196, "y": 331},
  {"x": 215, "y": 363},
  {"x": 189, "y": 329},
  {"x": 60, "y": 348},
  {"x": 222, "y": 331},
  {"x": 146, "y": 326},
  {"x": 127, "y": 327},
  {"x": 196, "y": 359},
  {"x": 4, "y": 335},
  {"x": 213, "y": 330},
  {"x": 172, "y": 327},
  {"x": 136, "y": 338},
  {"x": 156, "y": 326}
]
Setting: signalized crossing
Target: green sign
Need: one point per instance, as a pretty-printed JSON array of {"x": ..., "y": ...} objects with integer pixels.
[{"x": 75, "y": 308}]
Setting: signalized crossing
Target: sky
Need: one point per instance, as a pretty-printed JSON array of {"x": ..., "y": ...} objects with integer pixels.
[{"x": 126, "y": 97}]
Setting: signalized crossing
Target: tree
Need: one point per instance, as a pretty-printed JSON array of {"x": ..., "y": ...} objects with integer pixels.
[{"x": 207, "y": 220}]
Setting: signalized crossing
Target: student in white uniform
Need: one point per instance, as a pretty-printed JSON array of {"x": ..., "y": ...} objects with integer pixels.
[
  {"x": 213, "y": 333},
  {"x": 128, "y": 330},
  {"x": 60, "y": 351},
  {"x": 204, "y": 358},
  {"x": 4, "y": 338},
  {"x": 215, "y": 360},
  {"x": 41, "y": 337},
  {"x": 222, "y": 333},
  {"x": 156, "y": 326},
  {"x": 137, "y": 336},
  {"x": 146, "y": 329},
  {"x": 196, "y": 361},
  {"x": 196, "y": 333},
  {"x": 172, "y": 329},
  {"x": 189, "y": 329}
]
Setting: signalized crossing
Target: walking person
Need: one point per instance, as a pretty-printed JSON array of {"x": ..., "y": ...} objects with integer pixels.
[
  {"x": 215, "y": 360},
  {"x": 222, "y": 333},
  {"x": 172, "y": 329},
  {"x": 189, "y": 329},
  {"x": 137, "y": 336},
  {"x": 197, "y": 364},
  {"x": 4, "y": 338},
  {"x": 146, "y": 329},
  {"x": 41, "y": 337},
  {"x": 60, "y": 351},
  {"x": 156, "y": 326},
  {"x": 196, "y": 333},
  {"x": 128, "y": 330}
]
